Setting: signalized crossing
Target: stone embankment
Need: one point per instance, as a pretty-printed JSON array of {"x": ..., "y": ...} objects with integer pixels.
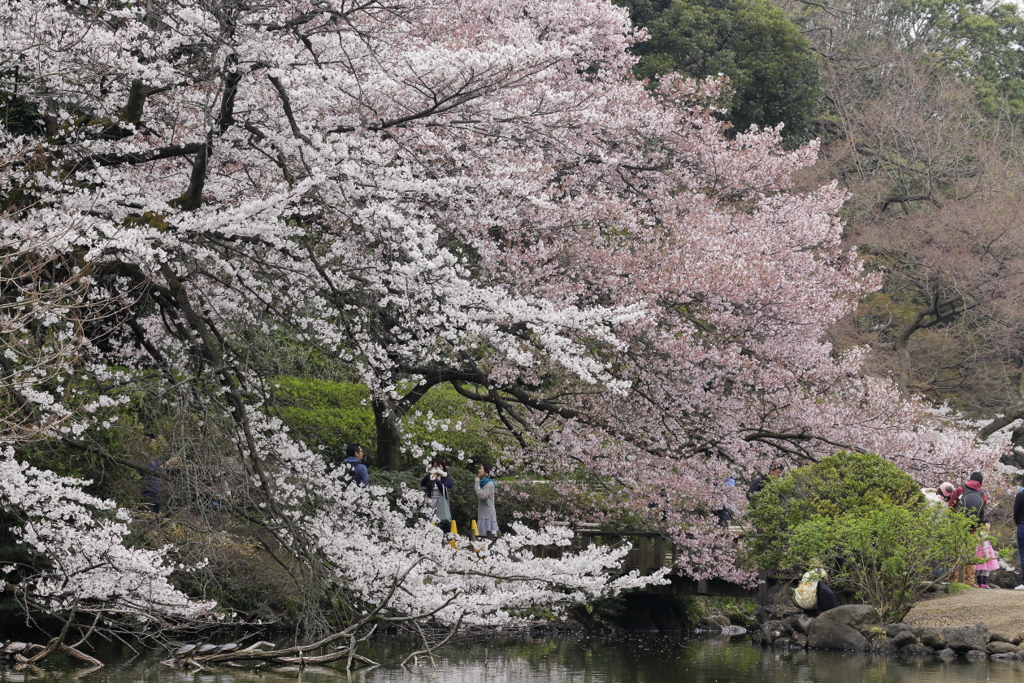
[{"x": 976, "y": 624}]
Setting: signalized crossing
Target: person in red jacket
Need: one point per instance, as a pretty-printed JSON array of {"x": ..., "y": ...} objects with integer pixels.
[
  {"x": 972, "y": 485},
  {"x": 973, "y": 501}
]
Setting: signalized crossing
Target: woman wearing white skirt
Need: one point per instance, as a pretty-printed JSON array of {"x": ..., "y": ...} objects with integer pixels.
[{"x": 486, "y": 517}]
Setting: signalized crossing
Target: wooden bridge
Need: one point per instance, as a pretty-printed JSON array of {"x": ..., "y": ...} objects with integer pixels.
[{"x": 651, "y": 551}]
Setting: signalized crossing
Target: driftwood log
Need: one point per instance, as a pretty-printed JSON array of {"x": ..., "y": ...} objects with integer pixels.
[{"x": 302, "y": 655}]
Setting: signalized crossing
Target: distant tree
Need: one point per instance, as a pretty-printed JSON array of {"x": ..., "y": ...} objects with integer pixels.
[
  {"x": 924, "y": 128},
  {"x": 770, "y": 65},
  {"x": 975, "y": 40}
]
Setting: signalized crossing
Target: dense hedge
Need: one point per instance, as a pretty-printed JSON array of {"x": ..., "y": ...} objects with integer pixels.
[{"x": 835, "y": 486}]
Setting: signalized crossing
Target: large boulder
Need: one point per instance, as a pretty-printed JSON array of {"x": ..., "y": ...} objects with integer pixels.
[
  {"x": 933, "y": 638},
  {"x": 966, "y": 638},
  {"x": 840, "y": 628}
]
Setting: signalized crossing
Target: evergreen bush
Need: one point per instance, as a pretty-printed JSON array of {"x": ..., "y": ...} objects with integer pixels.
[{"x": 840, "y": 484}]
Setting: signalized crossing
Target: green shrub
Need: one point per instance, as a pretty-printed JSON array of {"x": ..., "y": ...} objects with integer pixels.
[
  {"x": 329, "y": 415},
  {"x": 887, "y": 553},
  {"x": 839, "y": 484}
]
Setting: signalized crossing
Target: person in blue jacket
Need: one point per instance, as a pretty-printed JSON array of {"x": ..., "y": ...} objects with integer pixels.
[{"x": 357, "y": 471}]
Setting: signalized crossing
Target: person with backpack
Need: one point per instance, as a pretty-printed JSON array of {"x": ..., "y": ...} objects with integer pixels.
[
  {"x": 813, "y": 595},
  {"x": 356, "y": 470},
  {"x": 972, "y": 501}
]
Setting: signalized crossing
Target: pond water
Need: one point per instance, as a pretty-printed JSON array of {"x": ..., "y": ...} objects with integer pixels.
[{"x": 620, "y": 659}]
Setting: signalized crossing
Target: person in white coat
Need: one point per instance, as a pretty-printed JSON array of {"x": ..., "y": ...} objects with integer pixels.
[{"x": 486, "y": 517}]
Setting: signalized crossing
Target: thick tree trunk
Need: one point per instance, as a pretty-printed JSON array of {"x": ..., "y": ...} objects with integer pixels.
[{"x": 389, "y": 456}]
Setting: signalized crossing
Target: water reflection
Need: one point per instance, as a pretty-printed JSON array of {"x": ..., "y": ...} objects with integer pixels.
[{"x": 626, "y": 659}]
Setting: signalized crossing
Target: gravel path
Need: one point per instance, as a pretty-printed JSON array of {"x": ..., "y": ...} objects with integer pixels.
[{"x": 1001, "y": 609}]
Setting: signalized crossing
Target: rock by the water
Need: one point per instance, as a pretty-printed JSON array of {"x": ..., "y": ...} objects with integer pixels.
[
  {"x": 767, "y": 613},
  {"x": 1000, "y": 647},
  {"x": 798, "y": 623},
  {"x": 838, "y": 628},
  {"x": 1007, "y": 655},
  {"x": 933, "y": 638},
  {"x": 770, "y": 631},
  {"x": 976, "y": 654},
  {"x": 966, "y": 638},
  {"x": 713, "y": 623},
  {"x": 946, "y": 654},
  {"x": 915, "y": 650},
  {"x": 903, "y": 639},
  {"x": 800, "y": 640},
  {"x": 892, "y": 629},
  {"x": 996, "y": 637}
]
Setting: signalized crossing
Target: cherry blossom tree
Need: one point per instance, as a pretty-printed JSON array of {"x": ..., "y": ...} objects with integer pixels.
[
  {"x": 78, "y": 568},
  {"x": 444, "y": 191}
]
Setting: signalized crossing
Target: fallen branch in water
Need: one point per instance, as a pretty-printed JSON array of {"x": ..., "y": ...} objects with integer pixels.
[{"x": 288, "y": 655}]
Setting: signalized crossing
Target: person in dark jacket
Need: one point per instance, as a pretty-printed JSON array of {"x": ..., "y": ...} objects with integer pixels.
[
  {"x": 354, "y": 462},
  {"x": 436, "y": 485},
  {"x": 1018, "y": 519},
  {"x": 972, "y": 484},
  {"x": 965, "y": 497},
  {"x": 761, "y": 480}
]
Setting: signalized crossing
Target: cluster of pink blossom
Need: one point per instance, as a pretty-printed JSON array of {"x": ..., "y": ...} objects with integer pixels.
[{"x": 469, "y": 192}]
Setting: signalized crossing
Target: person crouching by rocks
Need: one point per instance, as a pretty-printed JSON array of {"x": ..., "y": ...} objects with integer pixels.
[
  {"x": 813, "y": 595},
  {"x": 437, "y": 484},
  {"x": 486, "y": 516},
  {"x": 939, "y": 496},
  {"x": 946, "y": 490}
]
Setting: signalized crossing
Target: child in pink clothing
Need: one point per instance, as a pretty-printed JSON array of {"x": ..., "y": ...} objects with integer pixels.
[{"x": 981, "y": 571}]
